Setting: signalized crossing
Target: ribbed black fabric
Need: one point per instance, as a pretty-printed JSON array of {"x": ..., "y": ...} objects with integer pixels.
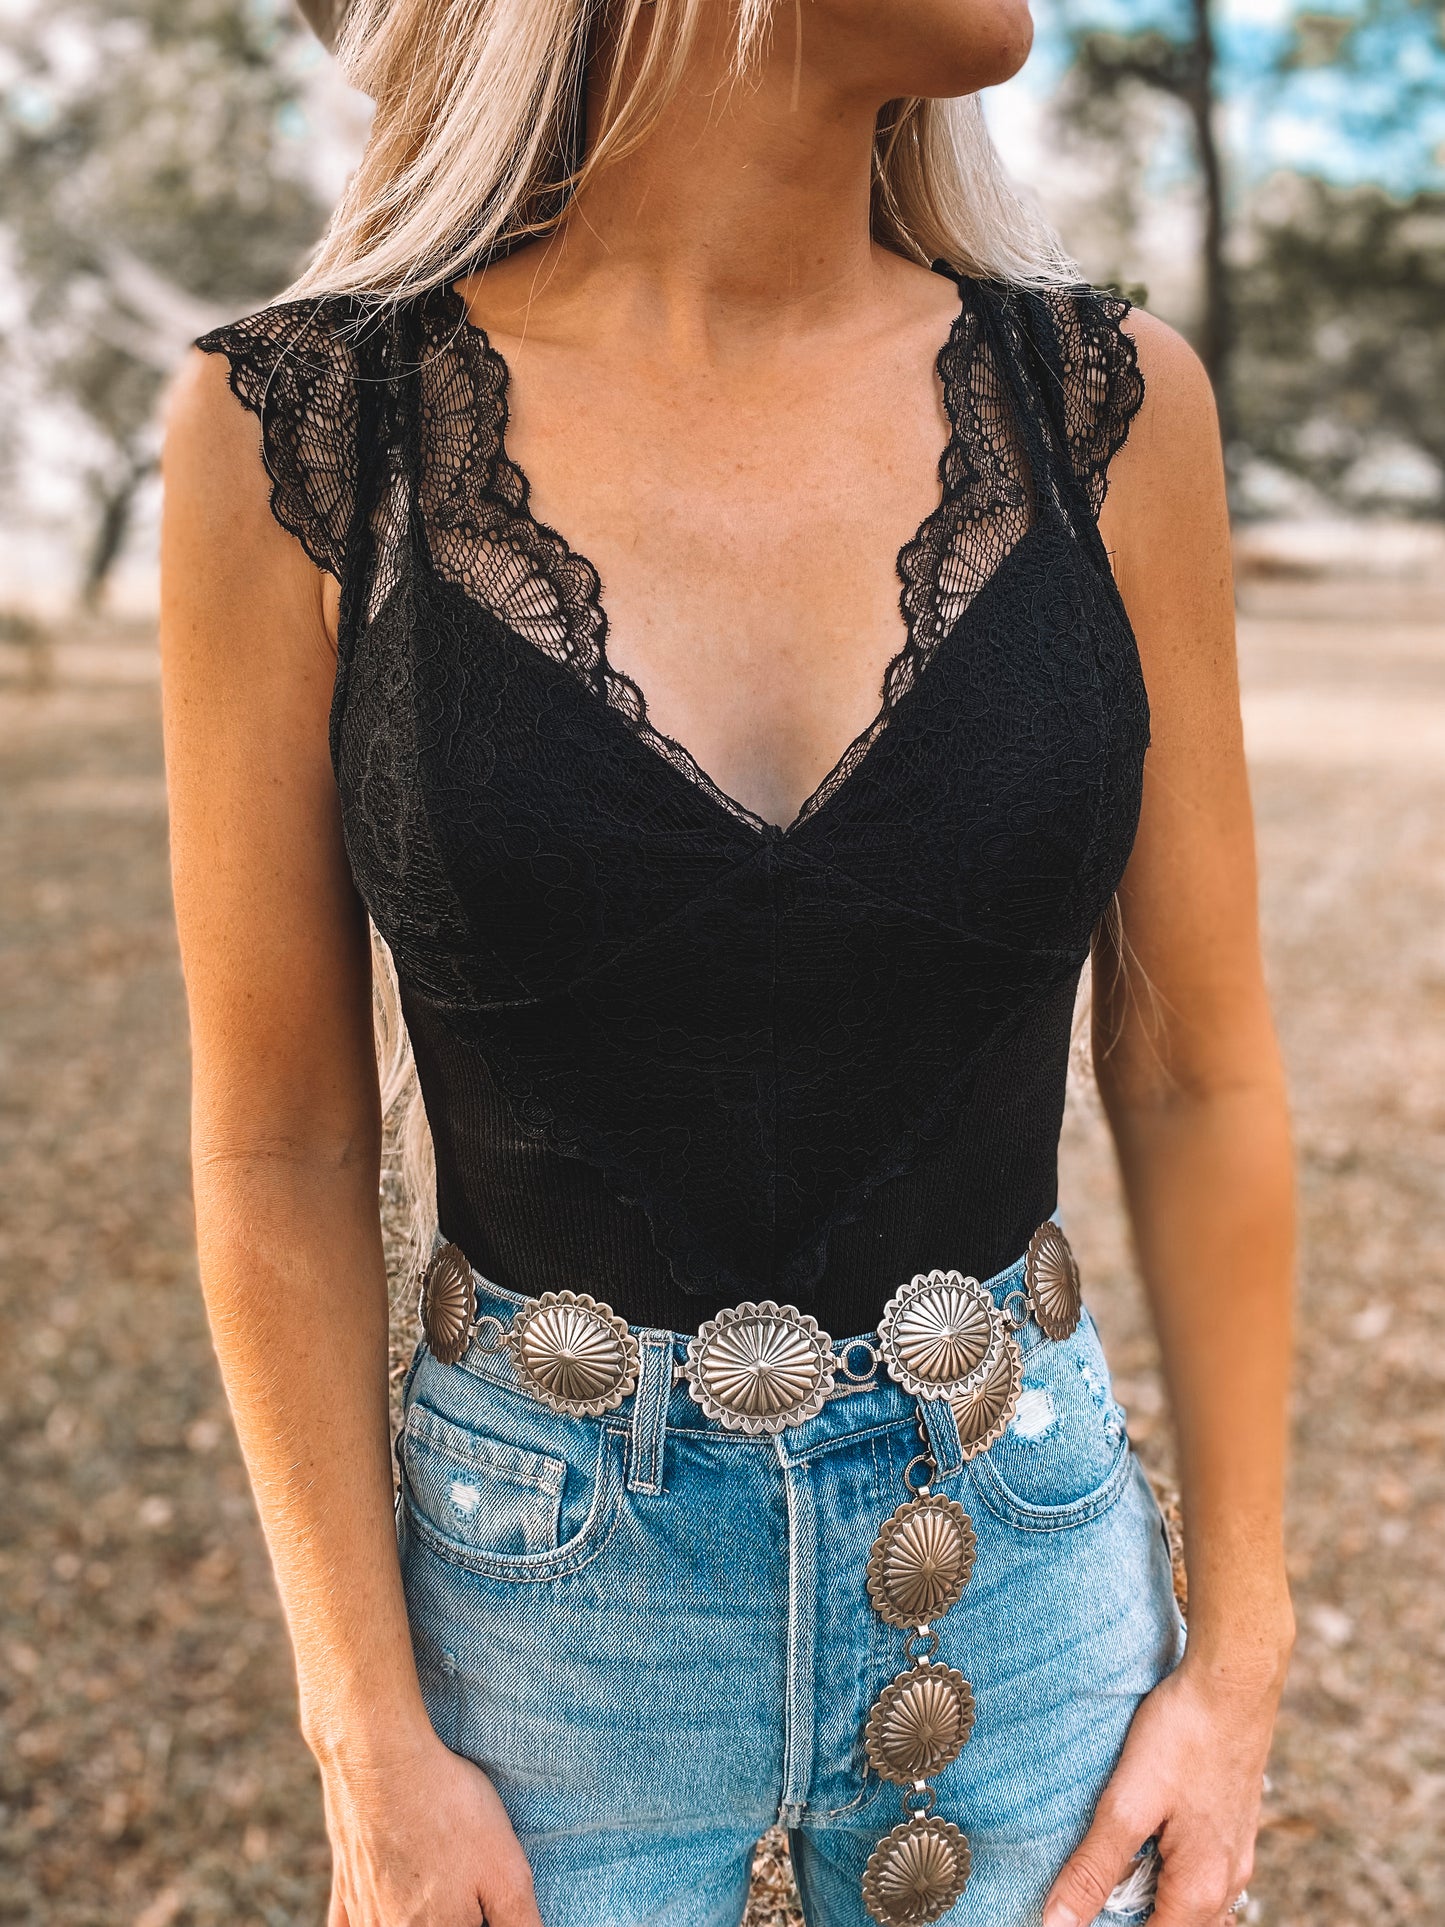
[
  {"x": 535, "y": 1222},
  {"x": 673, "y": 1054}
]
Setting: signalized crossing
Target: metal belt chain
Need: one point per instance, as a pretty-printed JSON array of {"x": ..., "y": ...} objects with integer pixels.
[
  {"x": 758, "y": 1368},
  {"x": 917, "y": 1570}
]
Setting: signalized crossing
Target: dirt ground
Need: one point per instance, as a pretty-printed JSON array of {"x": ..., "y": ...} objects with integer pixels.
[{"x": 150, "y": 1772}]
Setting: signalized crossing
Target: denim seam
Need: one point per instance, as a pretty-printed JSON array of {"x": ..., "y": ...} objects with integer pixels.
[
  {"x": 874, "y": 1665},
  {"x": 489, "y": 1567},
  {"x": 715, "y": 1434},
  {"x": 498, "y": 1371},
  {"x": 647, "y": 1433},
  {"x": 429, "y": 1427},
  {"x": 800, "y": 1693},
  {"x": 579, "y": 1551},
  {"x": 995, "y": 1495},
  {"x": 941, "y": 1428},
  {"x": 668, "y": 1830},
  {"x": 869, "y": 1791},
  {"x": 846, "y": 1438}
]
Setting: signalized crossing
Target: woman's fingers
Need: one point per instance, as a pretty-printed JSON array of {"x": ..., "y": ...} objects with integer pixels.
[
  {"x": 1097, "y": 1865},
  {"x": 510, "y": 1902},
  {"x": 428, "y": 1844},
  {"x": 1189, "y": 1775},
  {"x": 1195, "y": 1890},
  {"x": 1190, "y": 1909},
  {"x": 507, "y": 1898}
]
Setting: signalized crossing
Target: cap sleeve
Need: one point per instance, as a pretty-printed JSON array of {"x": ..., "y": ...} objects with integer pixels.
[
  {"x": 1102, "y": 388},
  {"x": 295, "y": 368}
]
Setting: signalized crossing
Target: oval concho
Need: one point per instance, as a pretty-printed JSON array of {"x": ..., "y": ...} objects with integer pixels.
[
  {"x": 915, "y": 1873},
  {"x": 575, "y": 1355},
  {"x": 1052, "y": 1277},
  {"x": 921, "y": 1561},
  {"x": 940, "y": 1335},
  {"x": 920, "y": 1722},
  {"x": 982, "y": 1418},
  {"x": 759, "y": 1368},
  {"x": 448, "y": 1304}
]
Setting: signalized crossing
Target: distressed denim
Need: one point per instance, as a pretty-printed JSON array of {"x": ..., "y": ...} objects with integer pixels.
[{"x": 655, "y": 1635}]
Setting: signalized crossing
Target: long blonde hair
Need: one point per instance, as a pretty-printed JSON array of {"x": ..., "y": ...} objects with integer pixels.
[{"x": 477, "y": 145}]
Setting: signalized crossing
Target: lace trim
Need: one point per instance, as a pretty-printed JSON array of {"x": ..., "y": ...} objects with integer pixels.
[
  {"x": 1103, "y": 386},
  {"x": 289, "y": 367},
  {"x": 557, "y": 603},
  {"x": 518, "y": 566}
]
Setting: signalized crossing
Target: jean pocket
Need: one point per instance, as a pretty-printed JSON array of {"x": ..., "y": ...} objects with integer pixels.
[
  {"x": 499, "y": 1507},
  {"x": 1065, "y": 1455}
]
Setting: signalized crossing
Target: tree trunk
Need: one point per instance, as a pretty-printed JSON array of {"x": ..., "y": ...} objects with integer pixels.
[
  {"x": 111, "y": 529},
  {"x": 1215, "y": 327}
]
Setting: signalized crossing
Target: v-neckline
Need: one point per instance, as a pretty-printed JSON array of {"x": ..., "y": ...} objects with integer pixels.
[{"x": 632, "y": 712}]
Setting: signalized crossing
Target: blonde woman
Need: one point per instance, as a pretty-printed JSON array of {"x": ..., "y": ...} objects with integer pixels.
[{"x": 703, "y": 587}]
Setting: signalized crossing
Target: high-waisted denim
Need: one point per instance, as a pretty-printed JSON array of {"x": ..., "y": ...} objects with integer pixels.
[{"x": 655, "y": 1635}]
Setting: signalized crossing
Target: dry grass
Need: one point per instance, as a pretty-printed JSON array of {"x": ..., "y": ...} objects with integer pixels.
[{"x": 150, "y": 1772}]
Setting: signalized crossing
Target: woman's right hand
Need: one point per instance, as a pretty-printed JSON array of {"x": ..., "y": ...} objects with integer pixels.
[{"x": 419, "y": 1838}]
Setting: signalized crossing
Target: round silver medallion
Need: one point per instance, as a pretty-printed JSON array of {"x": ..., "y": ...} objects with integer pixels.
[
  {"x": 919, "y": 1722},
  {"x": 940, "y": 1334},
  {"x": 1052, "y": 1276},
  {"x": 575, "y": 1355},
  {"x": 915, "y": 1873},
  {"x": 983, "y": 1416},
  {"x": 921, "y": 1561},
  {"x": 758, "y": 1368},
  {"x": 448, "y": 1304}
]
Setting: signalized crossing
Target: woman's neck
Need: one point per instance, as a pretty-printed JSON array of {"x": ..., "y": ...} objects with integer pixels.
[{"x": 745, "y": 210}]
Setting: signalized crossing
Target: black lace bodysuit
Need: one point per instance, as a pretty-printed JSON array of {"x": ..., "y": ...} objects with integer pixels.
[{"x": 672, "y": 1054}]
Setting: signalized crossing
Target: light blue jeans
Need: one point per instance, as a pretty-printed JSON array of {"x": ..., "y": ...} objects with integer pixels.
[{"x": 655, "y": 1635}]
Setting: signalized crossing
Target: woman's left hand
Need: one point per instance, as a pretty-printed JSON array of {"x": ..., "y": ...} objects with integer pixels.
[{"x": 1191, "y": 1776}]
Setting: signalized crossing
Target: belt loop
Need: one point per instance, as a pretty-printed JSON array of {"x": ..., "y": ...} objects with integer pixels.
[
  {"x": 942, "y": 1430},
  {"x": 649, "y": 1412}
]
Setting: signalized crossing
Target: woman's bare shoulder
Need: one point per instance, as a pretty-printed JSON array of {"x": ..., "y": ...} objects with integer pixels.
[
  {"x": 237, "y": 517},
  {"x": 1178, "y": 410},
  {"x": 1166, "y": 483},
  {"x": 264, "y": 421},
  {"x": 1165, "y": 522},
  {"x": 212, "y": 460},
  {"x": 247, "y": 586}
]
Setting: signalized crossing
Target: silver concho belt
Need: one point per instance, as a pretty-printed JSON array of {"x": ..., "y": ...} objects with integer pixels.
[{"x": 759, "y": 1368}]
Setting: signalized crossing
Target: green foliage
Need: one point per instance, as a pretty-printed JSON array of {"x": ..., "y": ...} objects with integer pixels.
[
  {"x": 1107, "y": 65},
  {"x": 1339, "y": 295},
  {"x": 1176, "y": 59},
  {"x": 1319, "y": 305}
]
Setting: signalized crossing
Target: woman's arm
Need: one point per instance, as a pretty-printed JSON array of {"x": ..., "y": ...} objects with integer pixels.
[
  {"x": 1189, "y": 1071},
  {"x": 286, "y": 1148}
]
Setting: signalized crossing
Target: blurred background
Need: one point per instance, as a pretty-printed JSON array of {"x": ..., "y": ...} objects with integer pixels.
[{"x": 1269, "y": 177}]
